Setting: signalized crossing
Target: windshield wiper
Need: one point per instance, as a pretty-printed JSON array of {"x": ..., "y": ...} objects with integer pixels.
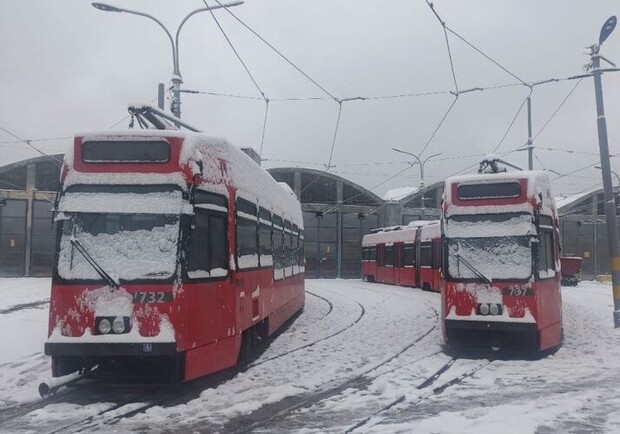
[
  {"x": 78, "y": 246},
  {"x": 473, "y": 269}
]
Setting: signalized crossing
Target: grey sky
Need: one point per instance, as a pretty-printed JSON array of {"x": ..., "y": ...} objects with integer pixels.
[{"x": 67, "y": 67}]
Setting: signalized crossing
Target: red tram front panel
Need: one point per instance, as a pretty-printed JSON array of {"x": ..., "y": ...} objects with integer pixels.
[{"x": 501, "y": 262}]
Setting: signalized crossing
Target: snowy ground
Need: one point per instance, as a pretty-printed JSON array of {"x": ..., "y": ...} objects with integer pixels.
[{"x": 362, "y": 357}]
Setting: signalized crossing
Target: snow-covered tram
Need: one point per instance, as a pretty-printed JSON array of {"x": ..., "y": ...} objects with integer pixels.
[
  {"x": 175, "y": 252},
  {"x": 404, "y": 255},
  {"x": 501, "y": 262}
]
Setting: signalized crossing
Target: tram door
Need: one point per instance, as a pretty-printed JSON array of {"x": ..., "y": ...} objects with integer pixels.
[
  {"x": 327, "y": 262},
  {"x": 417, "y": 279}
]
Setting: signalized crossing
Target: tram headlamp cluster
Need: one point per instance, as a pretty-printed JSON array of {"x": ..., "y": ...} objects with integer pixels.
[
  {"x": 104, "y": 326},
  {"x": 492, "y": 309},
  {"x": 111, "y": 325}
]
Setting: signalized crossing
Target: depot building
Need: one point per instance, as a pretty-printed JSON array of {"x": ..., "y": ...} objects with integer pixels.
[{"x": 337, "y": 213}]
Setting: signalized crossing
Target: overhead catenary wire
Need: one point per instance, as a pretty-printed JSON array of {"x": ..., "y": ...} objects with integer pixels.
[
  {"x": 286, "y": 59},
  {"x": 558, "y": 109},
  {"x": 27, "y": 142},
  {"x": 232, "y": 47},
  {"x": 514, "y": 119},
  {"x": 252, "y": 78}
]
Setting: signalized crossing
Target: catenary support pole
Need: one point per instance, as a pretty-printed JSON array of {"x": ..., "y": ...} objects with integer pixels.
[
  {"x": 610, "y": 204},
  {"x": 530, "y": 144}
]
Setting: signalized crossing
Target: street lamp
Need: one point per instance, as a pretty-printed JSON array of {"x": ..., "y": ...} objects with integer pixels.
[
  {"x": 610, "y": 204},
  {"x": 176, "y": 80},
  {"x": 420, "y": 162}
]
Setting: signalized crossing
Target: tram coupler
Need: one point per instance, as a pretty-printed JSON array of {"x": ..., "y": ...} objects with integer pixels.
[{"x": 50, "y": 386}]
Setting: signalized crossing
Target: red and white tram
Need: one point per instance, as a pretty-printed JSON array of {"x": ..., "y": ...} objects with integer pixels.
[
  {"x": 404, "y": 255},
  {"x": 501, "y": 262},
  {"x": 174, "y": 251}
]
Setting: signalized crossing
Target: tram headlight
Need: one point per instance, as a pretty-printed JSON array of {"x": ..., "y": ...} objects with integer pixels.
[
  {"x": 104, "y": 326},
  {"x": 494, "y": 309},
  {"x": 484, "y": 309},
  {"x": 118, "y": 326}
]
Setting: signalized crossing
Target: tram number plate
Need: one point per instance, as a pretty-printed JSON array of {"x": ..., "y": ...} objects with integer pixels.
[
  {"x": 517, "y": 291},
  {"x": 152, "y": 297}
]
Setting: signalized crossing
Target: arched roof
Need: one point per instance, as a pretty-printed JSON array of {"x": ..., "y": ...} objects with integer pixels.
[{"x": 318, "y": 186}]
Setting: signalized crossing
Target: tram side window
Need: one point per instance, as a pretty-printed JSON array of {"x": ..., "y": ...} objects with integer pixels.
[
  {"x": 302, "y": 254},
  {"x": 288, "y": 244},
  {"x": 426, "y": 255},
  {"x": 409, "y": 254},
  {"x": 546, "y": 263},
  {"x": 278, "y": 242},
  {"x": 208, "y": 249},
  {"x": 399, "y": 258},
  {"x": 365, "y": 253},
  {"x": 264, "y": 238},
  {"x": 295, "y": 246},
  {"x": 388, "y": 256},
  {"x": 247, "y": 251},
  {"x": 372, "y": 253}
]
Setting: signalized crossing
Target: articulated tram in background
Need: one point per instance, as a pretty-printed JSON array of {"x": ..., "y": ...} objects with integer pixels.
[
  {"x": 175, "y": 251},
  {"x": 404, "y": 255},
  {"x": 501, "y": 262}
]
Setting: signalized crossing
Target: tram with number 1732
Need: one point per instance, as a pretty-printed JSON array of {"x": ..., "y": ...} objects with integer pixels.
[{"x": 175, "y": 253}]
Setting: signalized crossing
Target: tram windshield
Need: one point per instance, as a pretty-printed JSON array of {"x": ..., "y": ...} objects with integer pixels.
[
  {"x": 130, "y": 231},
  {"x": 489, "y": 246},
  {"x": 126, "y": 246}
]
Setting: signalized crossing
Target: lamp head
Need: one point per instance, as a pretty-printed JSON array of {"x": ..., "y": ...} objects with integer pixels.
[
  {"x": 608, "y": 27},
  {"x": 106, "y": 8}
]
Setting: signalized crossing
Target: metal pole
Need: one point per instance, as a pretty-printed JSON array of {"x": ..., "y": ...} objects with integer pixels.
[
  {"x": 530, "y": 146},
  {"x": 610, "y": 204},
  {"x": 318, "y": 246},
  {"x": 161, "y": 96}
]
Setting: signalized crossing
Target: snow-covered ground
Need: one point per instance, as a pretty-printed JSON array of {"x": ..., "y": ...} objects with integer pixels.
[{"x": 361, "y": 357}]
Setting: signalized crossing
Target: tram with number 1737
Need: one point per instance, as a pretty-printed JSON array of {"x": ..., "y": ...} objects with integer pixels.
[{"x": 501, "y": 262}]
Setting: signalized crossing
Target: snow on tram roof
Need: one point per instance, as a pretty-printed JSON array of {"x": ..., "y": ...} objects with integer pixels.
[
  {"x": 223, "y": 164},
  {"x": 538, "y": 180},
  {"x": 538, "y": 186},
  {"x": 393, "y": 234}
]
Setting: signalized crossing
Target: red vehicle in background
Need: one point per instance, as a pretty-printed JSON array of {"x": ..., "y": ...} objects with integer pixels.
[
  {"x": 404, "y": 255},
  {"x": 571, "y": 270},
  {"x": 175, "y": 251},
  {"x": 501, "y": 262}
]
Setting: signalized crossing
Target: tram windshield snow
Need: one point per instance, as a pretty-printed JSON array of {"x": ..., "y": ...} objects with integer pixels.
[
  {"x": 128, "y": 246},
  {"x": 492, "y": 246}
]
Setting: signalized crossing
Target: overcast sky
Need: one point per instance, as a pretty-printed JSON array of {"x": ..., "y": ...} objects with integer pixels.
[{"x": 67, "y": 67}]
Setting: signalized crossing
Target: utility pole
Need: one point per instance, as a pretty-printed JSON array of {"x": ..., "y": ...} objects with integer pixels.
[
  {"x": 610, "y": 204},
  {"x": 530, "y": 144}
]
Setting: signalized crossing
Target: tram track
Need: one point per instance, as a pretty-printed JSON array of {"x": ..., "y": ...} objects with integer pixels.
[
  {"x": 423, "y": 385},
  {"x": 310, "y": 344},
  {"x": 23, "y": 306},
  {"x": 360, "y": 381}
]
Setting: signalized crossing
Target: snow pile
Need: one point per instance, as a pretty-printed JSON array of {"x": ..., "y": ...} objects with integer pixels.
[
  {"x": 170, "y": 202},
  {"x": 518, "y": 225}
]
